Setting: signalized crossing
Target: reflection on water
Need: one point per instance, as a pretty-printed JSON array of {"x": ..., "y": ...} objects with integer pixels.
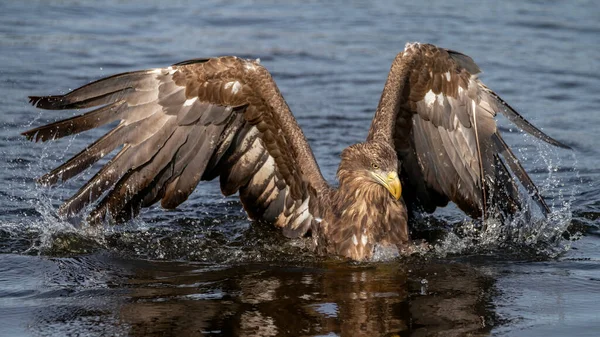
[{"x": 141, "y": 298}]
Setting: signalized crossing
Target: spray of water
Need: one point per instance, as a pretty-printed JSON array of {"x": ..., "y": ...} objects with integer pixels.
[{"x": 528, "y": 233}]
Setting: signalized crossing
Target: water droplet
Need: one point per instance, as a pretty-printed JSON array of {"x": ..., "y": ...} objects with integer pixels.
[{"x": 424, "y": 284}]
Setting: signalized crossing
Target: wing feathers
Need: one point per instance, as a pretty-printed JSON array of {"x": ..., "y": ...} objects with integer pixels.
[
  {"x": 86, "y": 158},
  {"x": 77, "y": 124},
  {"x": 195, "y": 120},
  {"x": 122, "y": 134},
  {"x": 521, "y": 122},
  {"x": 137, "y": 179},
  {"x": 519, "y": 171},
  {"x": 464, "y": 62},
  {"x": 454, "y": 134},
  {"x": 191, "y": 166},
  {"x": 100, "y": 88},
  {"x": 129, "y": 158}
]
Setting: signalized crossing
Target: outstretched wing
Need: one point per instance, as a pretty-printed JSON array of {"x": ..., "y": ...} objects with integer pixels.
[
  {"x": 445, "y": 134},
  {"x": 196, "y": 120}
]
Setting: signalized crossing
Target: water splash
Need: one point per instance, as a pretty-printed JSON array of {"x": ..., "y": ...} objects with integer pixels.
[{"x": 528, "y": 233}]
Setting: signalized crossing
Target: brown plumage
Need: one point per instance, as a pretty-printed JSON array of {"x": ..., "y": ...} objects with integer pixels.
[{"x": 225, "y": 117}]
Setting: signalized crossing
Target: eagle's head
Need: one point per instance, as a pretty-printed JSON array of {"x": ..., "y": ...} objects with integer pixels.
[{"x": 371, "y": 162}]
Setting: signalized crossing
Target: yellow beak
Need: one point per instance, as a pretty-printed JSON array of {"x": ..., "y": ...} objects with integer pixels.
[{"x": 392, "y": 183}]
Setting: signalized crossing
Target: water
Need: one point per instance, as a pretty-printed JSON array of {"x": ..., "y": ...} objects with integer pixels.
[{"x": 206, "y": 269}]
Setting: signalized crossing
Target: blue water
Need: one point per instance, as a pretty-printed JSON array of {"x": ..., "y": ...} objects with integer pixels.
[{"x": 205, "y": 269}]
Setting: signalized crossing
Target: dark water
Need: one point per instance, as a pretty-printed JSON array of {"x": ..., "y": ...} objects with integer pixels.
[{"x": 206, "y": 269}]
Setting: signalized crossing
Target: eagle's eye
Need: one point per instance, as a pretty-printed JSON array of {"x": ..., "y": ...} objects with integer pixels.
[{"x": 375, "y": 166}]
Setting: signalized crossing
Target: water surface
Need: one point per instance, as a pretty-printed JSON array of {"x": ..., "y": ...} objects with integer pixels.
[{"x": 205, "y": 269}]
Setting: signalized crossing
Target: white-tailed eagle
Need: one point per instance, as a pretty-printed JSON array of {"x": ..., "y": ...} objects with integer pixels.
[{"x": 434, "y": 130}]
